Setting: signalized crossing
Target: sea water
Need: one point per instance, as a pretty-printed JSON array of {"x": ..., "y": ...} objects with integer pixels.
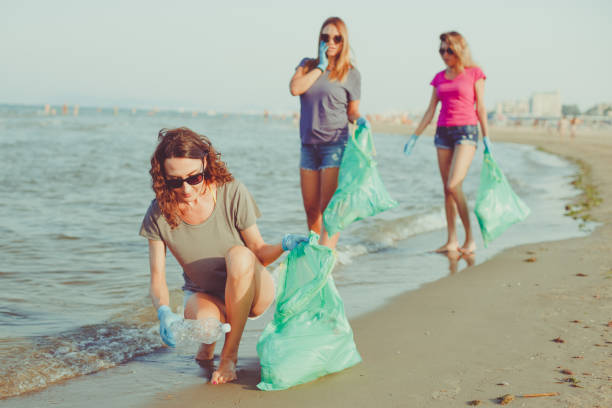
[{"x": 74, "y": 272}]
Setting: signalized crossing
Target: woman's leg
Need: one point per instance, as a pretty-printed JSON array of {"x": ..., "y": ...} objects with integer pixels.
[
  {"x": 462, "y": 158},
  {"x": 329, "y": 184},
  {"x": 249, "y": 291},
  {"x": 445, "y": 159},
  {"x": 311, "y": 196},
  {"x": 201, "y": 306}
]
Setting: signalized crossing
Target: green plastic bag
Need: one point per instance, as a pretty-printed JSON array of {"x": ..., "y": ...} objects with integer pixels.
[
  {"x": 309, "y": 336},
  {"x": 497, "y": 206},
  {"x": 360, "y": 193}
]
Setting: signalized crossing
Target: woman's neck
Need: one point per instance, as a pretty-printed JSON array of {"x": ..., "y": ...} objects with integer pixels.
[
  {"x": 455, "y": 69},
  {"x": 332, "y": 63}
]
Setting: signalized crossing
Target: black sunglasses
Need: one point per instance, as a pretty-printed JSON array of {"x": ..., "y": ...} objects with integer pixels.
[
  {"x": 337, "y": 38},
  {"x": 446, "y": 50},
  {"x": 192, "y": 180}
]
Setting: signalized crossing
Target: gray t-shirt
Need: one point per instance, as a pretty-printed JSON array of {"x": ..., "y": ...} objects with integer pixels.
[
  {"x": 200, "y": 249},
  {"x": 323, "y": 112}
]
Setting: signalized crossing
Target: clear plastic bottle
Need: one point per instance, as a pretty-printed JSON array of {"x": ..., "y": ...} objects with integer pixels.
[{"x": 189, "y": 334}]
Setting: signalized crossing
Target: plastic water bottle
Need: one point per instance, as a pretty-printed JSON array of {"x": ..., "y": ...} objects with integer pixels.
[{"x": 189, "y": 334}]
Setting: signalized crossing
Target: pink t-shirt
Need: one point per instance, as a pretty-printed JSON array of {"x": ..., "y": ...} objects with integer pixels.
[{"x": 458, "y": 97}]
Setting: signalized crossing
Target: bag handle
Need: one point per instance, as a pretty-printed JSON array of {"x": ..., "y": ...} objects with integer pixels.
[{"x": 369, "y": 143}]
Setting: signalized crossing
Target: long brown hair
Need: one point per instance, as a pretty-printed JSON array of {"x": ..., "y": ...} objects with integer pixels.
[
  {"x": 343, "y": 61},
  {"x": 459, "y": 45},
  {"x": 185, "y": 143}
]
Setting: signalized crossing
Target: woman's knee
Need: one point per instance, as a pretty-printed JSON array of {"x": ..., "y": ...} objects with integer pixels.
[
  {"x": 240, "y": 262},
  {"x": 452, "y": 188}
]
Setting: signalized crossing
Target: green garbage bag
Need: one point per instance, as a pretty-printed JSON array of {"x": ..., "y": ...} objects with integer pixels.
[
  {"x": 497, "y": 206},
  {"x": 309, "y": 336},
  {"x": 360, "y": 193}
]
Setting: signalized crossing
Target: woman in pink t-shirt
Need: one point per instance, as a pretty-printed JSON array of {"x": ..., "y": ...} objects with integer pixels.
[{"x": 460, "y": 88}]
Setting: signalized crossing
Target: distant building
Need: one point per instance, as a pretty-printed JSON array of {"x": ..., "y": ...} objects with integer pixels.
[
  {"x": 545, "y": 104},
  {"x": 601, "y": 109},
  {"x": 512, "y": 107}
]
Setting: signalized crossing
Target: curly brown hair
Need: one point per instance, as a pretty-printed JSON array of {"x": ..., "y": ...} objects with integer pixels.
[{"x": 184, "y": 143}]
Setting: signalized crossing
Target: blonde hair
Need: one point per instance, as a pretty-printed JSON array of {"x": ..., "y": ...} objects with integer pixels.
[
  {"x": 343, "y": 61},
  {"x": 459, "y": 45}
]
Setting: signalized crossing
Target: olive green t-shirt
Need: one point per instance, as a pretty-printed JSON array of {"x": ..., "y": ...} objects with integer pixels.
[{"x": 200, "y": 249}]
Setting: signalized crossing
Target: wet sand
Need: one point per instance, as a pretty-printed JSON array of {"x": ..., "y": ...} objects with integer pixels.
[{"x": 534, "y": 319}]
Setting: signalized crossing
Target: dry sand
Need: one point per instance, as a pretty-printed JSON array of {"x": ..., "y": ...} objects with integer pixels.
[{"x": 487, "y": 331}]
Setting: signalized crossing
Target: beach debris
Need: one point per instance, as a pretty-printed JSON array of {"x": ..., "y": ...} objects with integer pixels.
[
  {"x": 575, "y": 321},
  {"x": 530, "y": 252},
  {"x": 610, "y": 323},
  {"x": 503, "y": 383},
  {"x": 474, "y": 402},
  {"x": 558, "y": 340},
  {"x": 578, "y": 357},
  {"x": 581, "y": 274},
  {"x": 542, "y": 394},
  {"x": 571, "y": 380},
  {"x": 532, "y": 259},
  {"x": 505, "y": 399},
  {"x": 566, "y": 371}
]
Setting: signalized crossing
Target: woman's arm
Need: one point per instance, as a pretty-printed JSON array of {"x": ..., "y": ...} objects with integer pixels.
[
  {"x": 157, "y": 263},
  {"x": 481, "y": 110},
  {"x": 266, "y": 253},
  {"x": 429, "y": 113},
  {"x": 301, "y": 81},
  {"x": 352, "y": 111}
]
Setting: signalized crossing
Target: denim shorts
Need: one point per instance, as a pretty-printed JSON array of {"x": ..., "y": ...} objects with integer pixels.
[
  {"x": 449, "y": 136},
  {"x": 321, "y": 156}
]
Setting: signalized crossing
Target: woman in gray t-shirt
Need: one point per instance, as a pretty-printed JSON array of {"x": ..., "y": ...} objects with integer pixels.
[
  {"x": 207, "y": 219},
  {"x": 329, "y": 88}
]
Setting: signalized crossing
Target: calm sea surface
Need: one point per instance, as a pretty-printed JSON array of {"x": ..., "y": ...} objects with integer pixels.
[{"x": 74, "y": 272}]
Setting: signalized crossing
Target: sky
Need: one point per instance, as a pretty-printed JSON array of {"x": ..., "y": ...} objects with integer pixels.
[{"x": 239, "y": 56}]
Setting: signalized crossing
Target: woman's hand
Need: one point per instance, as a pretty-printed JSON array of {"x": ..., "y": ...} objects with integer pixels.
[
  {"x": 410, "y": 144},
  {"x": 323, "y": 62},
  {"x": 166, "y": 318},
  {"x": 487, "y": 146},
  {"x": 363, "y": 122},
  {"x": 290, "y": 241}
]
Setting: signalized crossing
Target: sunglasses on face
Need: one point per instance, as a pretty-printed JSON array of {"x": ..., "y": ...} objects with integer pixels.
[
  {"x": 337, "y": 38},
  {"x": 192, "y": 180},
  {"x": 446, "y": 50}
]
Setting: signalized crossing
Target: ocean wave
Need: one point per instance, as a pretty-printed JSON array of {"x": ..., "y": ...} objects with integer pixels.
[
  {"x": 385, "y": 233},
  {"x": 33, "y": 363}
]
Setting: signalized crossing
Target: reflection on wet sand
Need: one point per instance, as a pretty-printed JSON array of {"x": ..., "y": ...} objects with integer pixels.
[{"x": 455, "y": 256}]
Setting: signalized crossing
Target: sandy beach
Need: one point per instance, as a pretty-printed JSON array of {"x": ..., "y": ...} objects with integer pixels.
[{"x": 534, "y": 319}]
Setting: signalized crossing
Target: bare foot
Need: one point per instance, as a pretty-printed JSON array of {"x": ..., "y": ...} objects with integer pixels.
[
  {"x": 448, "y": 247},
  {"x": 206, "y": 352},
  {"x": 207, "y": 366},
  {"x": 225, "y": 373},
  {"x": 468, "y": 248}
]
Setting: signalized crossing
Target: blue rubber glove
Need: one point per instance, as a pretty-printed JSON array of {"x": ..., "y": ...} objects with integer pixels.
[
  {"x": 290, "y": 241},
  {"x": 410, "y": 144},
  {"x": 363, "y": 122},
  {"x": 323, "y": 57},
  {"x": 485, "y": 141},
  {"x": 166, "y": 318}
]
